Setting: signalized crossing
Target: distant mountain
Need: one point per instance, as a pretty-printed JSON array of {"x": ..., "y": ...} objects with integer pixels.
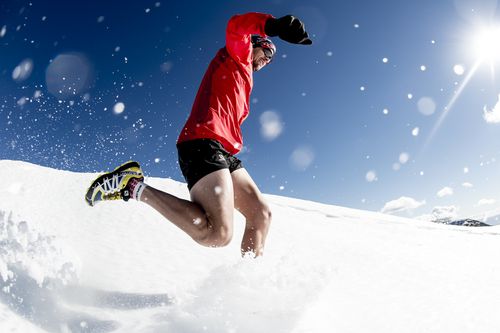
[{"x": 467, "y": 223}]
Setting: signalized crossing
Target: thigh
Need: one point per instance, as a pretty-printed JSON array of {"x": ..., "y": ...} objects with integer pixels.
[
  {"x": 199, "y": 158},
  {"x": 247, "y": 197},
  {"x": 214, "y": 192}
]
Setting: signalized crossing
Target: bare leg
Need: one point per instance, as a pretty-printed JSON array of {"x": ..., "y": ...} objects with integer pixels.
[
  {"x": 252, "y": 204},
  {"x": 208, "y": 217}
]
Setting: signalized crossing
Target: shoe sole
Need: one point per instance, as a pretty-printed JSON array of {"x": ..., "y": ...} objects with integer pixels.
[{"x": 124, "y": 166}]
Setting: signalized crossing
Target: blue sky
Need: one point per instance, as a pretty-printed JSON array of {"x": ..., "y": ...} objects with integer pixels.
[{"x": 357, "y": 119}]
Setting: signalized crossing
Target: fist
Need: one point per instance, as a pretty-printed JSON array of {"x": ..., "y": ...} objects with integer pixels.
[{"x": 289, "y": 28}]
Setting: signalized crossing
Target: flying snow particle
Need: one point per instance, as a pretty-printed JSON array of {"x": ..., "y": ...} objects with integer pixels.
[
  {"x": 466, "y": 170},
  {"x": 147, "y": 10},
  {"x": 157, "y": 160},
  {"x": 100, "y": 19},
  {"x": 23, "y": 70},
  {"x": 459, "y": 69},
  {"x": 356, "y": 26},
  {"x": 410, "y": 96},
  {"x": 385, "y": 111},
  {"x": 423, "y": 68},
  {"x": 37, "y": 94},
  {"x": 118, "y": 108},
  {"x": 282, "y": 188},
  {"x": 421, "y": 173},
  {"x": 385, "y": 60},
  {"x": 396, "y": 166},
  {"x": 69, "y": 74},
  {"x": 117, "y": 49},
  {"x": 270, "y": 125},
  {"x": 426, "y": 106},
  {"x": 362, "y": 88},
  {"x": 302, "y": 158},
  {"x": 22, "y": 101},
  {"x": 403, "y": 158},
  {"x": 3, "y": 31},
  {"x": 166, "y": 67},
  {"x": 44, "y": 18},
  {"x": 415, "y": 131},
  {"x": 371, "y": 176},
  {"x": 217, "y": 190},
  {"x": 329, "y": 53},
  {"x": 157, "y": 4}
]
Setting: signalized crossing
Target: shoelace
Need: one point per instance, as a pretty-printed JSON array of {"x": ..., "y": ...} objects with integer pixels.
[{"x": 110, "y": 185}]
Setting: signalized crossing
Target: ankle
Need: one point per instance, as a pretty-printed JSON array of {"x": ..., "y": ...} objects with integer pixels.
[{"x": 136, "y": 187}]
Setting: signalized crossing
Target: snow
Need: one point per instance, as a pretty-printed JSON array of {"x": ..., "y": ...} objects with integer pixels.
[
  {"x": 271, "y": 125},
  {"x": 301, "y": 158},
  {"x": 426, "y": 106},
  {"x": 118, "y": 108},
  {"x": 22, "y": 71},
  {"x": 371, "y": 176},
  {"x": 459, "y": 69},
  {"x": 121, "y": 267}
]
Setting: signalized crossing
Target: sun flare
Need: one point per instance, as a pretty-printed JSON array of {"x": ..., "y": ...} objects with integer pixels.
[{"x": 487, "y": 44}]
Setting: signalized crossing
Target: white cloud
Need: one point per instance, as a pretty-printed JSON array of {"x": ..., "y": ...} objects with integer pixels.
[
  {"x": 467, "y": 185},
  {"x": 445, "y": 191},
  {"x": 485, "y": 202},
  {"x": 492, "y": 116},
  {"x": 441, "y": 213},
  {"x": 402, "y": 204},
  {"x": 271, "y": 125}
]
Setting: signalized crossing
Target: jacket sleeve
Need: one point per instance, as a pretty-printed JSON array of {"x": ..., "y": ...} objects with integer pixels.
[{"x": 240, "y": 29}]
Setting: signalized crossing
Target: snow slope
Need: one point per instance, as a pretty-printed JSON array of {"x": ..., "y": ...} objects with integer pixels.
[{"x": 120, "y": 267}]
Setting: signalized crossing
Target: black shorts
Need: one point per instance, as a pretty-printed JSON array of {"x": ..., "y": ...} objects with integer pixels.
[{"x": 198, "y": 158}]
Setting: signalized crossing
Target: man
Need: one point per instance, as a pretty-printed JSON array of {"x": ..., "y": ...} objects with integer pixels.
[{"x": 216, "y": 179}]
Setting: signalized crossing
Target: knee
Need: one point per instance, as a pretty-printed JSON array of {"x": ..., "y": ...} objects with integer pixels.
[
  {"x": 219, "y": 236},
  {"x": 223, "y": 236}
]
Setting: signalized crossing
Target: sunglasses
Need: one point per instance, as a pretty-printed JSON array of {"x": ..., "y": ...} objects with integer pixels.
[{"x": 268, "y": 54}]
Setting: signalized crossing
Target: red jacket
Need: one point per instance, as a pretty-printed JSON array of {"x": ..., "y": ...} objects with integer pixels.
[{"x": 222, "y": 101}]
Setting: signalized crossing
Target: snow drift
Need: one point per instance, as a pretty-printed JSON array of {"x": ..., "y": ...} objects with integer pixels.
[{"x": 120, "y": 267}]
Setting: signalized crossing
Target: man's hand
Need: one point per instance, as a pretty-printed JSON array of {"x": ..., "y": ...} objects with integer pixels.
[{"x": 289, "y": 28}]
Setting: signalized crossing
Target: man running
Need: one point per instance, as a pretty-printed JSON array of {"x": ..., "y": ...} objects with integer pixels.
[{"x": 209, "y": 141}]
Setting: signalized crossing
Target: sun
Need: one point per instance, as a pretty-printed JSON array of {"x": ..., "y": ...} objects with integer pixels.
[{"x": 487, "y": 44}]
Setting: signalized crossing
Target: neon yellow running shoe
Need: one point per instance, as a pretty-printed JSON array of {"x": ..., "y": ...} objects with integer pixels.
[{"x": 114, "y": 185}]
